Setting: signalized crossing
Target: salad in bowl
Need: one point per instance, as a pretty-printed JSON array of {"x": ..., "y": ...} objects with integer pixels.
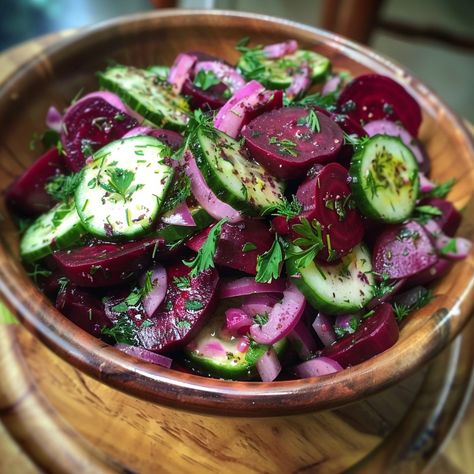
[{"x": 265, "y": 220}]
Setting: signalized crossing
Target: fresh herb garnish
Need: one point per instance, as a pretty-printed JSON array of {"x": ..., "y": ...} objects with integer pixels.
[
  {"x": 38, "y": 271},
  {"x": 62, "y": 283},
  {"x": 402, "y": 311},
  {"x": 261, "y": 318},
  {"x": 205, "y": 256},
  {"x": 252, "y": 58},
  {"x": 269, "y": 263},
  {"x": 383, "y": 287},
  {"x": 351, "y": 327},
  {"x": 179, "y": 191},
  {"x": 123, "y": 331},
  {"x": 248, "y": 247},
  {"x": 286, "y": 147},
  {"x": 62, "y": 187},
  {"x": 61, "y": 213},
  {"x": 327, "y": 102},
  {"x": 206, "y": 79},
  {"x": 182, "y": 282},
  {"x": 311, "y": 241},
  {"x": 449, "y": 248},
  {"x": 193, "y": 305},
  {"x": 355, "y": 141},
  {"x": 148, "y": 283},
  {"x": 311, "y": 121},
  {"x": 182, "y": 324},
  {"x": 426, "y": 212},
  {"x": 285, "y": 208},
  {"x": 119, "y": 181},
  {"x": 441, "y": 190}
]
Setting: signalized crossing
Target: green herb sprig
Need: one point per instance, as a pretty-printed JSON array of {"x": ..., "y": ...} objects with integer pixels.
[
  {"x": 62, "y": 187},
  {"x": 269, "y": 263}
]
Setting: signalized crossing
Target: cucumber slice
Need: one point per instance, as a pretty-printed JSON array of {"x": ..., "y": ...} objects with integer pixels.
[
  {"x": 122, "y": 189},
  {"x": 278, "y": 73},
  {"x": 173, "y": 233},
  {"x": 385, "y": 179},
  {"x": 218, "y": 354},
  {"x": 342, "y": 288},
  {"x": 59, "y": 228},
  {"x": 243, "y": 184},
  {"x": 152, "y": 99}
]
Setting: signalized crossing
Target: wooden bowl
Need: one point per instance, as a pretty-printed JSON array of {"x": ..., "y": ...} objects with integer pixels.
[{"x": 57, "y": 75}]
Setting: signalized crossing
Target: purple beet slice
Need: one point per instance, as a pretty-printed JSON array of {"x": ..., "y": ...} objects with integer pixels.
[
  {"x": 376, "y": 334},
  {"x": 107, "y": 264},
  {"x": 289, "y": 140},
  {"x": 189, "y": 300},
  {"x": 83, "y": 309},
  {"x": 450, "y": 219},
  {"x": 27, "y": 195},
  {"x": 373, "y": 97},
  {"x": 212, "y": 98},
  {"x": 403, "y": 250},
  {"x": 326, "y": 197},
  {"x": 88, "y": 126},
  {"x": 239, "y": 244}
]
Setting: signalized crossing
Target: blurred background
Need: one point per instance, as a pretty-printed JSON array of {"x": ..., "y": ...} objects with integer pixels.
[{"x": 432, "y": 38}]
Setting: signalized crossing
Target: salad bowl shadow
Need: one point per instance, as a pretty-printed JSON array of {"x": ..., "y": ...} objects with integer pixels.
[{"x": 63, "y": 69}]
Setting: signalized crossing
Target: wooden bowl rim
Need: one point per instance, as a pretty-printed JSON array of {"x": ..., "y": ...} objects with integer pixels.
[{"x": 191, "y": 392}]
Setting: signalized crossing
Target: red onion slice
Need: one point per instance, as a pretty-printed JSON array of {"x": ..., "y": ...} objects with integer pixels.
[
  {"x": 278, "y": 50},
  {"x": 269, "y": 366},
  {"x": 300, "y": 82},
  {"x": 152, "y": 300},
  {"x": 226, "y": 74},
  {"x": 137, "y": 131},
  {"x": 248, "y": 286},
  {"x": 180, "y": 71},
  {"x": 425, "y": 184},
  {"x": 54, "y": 119},
  {"x": 317, "y": 367},
  {"x": 145, "y": 355},
  {"x": 282, "y": 319},
  {"x": 452, "y": 248},
  {"x": 237, "y": 321},
  {"x": 180, "y": 215},
  {"x": 259, "y": 304},
  {"x": 302, "y": 341},
  {"x": 331, "y": 85},
  {"x": 113, "y": 99},
  {"x": 205, "y": 197},
  {"x": 323, "y": 328}
]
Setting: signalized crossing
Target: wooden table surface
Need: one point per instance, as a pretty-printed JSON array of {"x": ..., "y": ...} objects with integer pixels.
[{"x": 456, "y": 456}]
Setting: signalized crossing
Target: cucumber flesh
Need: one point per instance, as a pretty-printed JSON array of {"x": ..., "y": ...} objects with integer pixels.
[
  {"x": 243, "y": 184},
  {"x": 385, "y": 179},
  {"x": 278, "y": 73},
  {"x": 342, "y": 288},
  {"x": 59, "y": 228},
  {"x": 218, "y": 353},
  {"x": 151, "y": 98},
  {"x": 122, "y": 188}
]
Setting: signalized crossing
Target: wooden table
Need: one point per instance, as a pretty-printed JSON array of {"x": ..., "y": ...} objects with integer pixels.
[{"x": 53, "y": 416}]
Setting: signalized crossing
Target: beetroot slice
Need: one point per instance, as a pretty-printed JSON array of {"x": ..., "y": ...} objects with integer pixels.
[
  {"x": 373, "y": 97},
  {"x": 107, "y": 264},
  {"x": 83, "y": 309},
  {"x": 283, "y": 142},
  {"x": 403, "y": 250},
  {"x": 239, "y": 244},
  {"x": 183, "y": 311},
  {"x": 326, "y": 197},
  {"x": 376, "y": 334},
  {"x": 27, "y": 194},
  {"x": 89, "y": 126},
  {"x": 450, "y": 220},
  {"x": 212, "y": 98}
]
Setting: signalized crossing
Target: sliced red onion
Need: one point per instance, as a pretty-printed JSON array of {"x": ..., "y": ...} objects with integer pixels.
[
  {"x": 54, "y": 119},
  {"x": 225, "y": 73},
  {"x": 155, "y": 297},
  {"x": 282, "y": 319},
  {"x": 259, "y": 304},
  {"x": 425, "y": 184},
  {"x": 302, "y": 340},
  {"x": 278, "y": 50},
  {"x": 145, "y": 355},
  {"x": 180, "y": 215},
  {"x": 205, "y": 197},
  {"x": 323, "y": 328},
  {"x": 237, "y": 321},
  {"x": 317, "y": 367},
  {"x": 248, "y": 286},
  {"x": 230, "y": 117},
  {"x": 180, "y": 71},
  {"x": 300, "y": 82},
  {"x": 397, "y": 285},
  {"x": 453, "y": 248},
  {"x": 386, "y": 127},
  {"x": 331, "y": 85},
  {"x": 269, "y": 366},
  {"x": 138, "y": 131}
]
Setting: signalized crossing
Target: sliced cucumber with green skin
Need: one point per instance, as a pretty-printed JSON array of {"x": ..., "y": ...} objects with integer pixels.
[
  {"x": 59, "y": 228},
  {"x": 161, "y": 72},
  {"x": 243, "y": 184},
  {"x": 217, "y": 353},
  {"x": 278, "y": 73},
  {"x": 123, "y": 187},
  {"x": 151, "y": 98},
  {"x": 342, "y": 288},
  {"x": 385, "y": 179},
  {"x": 173, "y": 233}
]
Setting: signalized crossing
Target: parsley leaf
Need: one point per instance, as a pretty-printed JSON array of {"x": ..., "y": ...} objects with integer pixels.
[
  {"x": 205, "y": 256},
  {"x": 311, "y": 241},
  {"x": 206, "y": 79},
  {"x": 119, "y": 182},
  {"x": 269, "y": 263},
  {"x": 123, "y": 331},
  {"x": 286, "y": 208},
  {"x": 182, "y": 282},
  {"x": 148, "y": 283},
  {"x": 425, "y": 213},
  {"x": 248, "y": 247},
  {"x": 193, "y": 305},
  {"x": 441, "y": 190},
  {"x": 62, "y": 187}
]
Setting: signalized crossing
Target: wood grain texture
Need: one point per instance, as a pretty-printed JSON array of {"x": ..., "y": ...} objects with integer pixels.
[{"x": 62, "y": 69}]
